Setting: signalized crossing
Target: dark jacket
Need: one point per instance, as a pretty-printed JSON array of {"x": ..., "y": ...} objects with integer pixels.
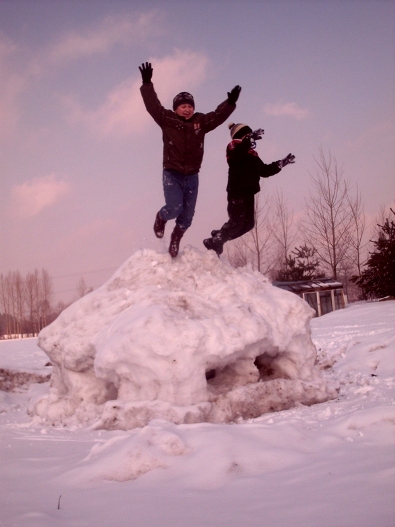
[
  {"x": 183, "y": 140},
  {"x": 246, "y": 168}
]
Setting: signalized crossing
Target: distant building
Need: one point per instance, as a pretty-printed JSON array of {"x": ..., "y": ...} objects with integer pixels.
[{"x": 323, "y": 294}]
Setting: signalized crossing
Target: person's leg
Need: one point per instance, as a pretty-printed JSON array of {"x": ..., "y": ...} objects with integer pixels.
[
  {"x": 248, "y": 215},
  {"x": 173, "y": 190},
  {"x": 190, "y": 193},
  {"x": 229, "y": 230},
  {"x": 237, "y": 218}
]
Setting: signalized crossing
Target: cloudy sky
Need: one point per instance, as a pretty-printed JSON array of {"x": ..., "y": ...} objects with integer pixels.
[{"x": 80, "y": 159}]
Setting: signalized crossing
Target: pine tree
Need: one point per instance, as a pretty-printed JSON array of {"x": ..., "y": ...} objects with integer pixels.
[
  {"x": 305, "y": 266},
  {"x": 378, "y": 278}
]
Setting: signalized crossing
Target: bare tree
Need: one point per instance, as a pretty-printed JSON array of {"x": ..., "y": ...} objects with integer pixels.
[
  {"x": 12, "y": 296},
  {"x": 379, "y": 220},
  {"x": 11, "y": 302},
  {"x": 26, "y": 301},
  {"x": 82, "y": 288},
  {"x": 32, "y": 286},
  {"x": 46, "y": 294},
  {"x": 19, "y": 295},
  {"x": 283, "y": 227},
  {"x": 329, "y": 220},
  {"x": 257, "y": 247},
  {"x": 5, "y": 299},
  {"x": 357, "y": 231}
]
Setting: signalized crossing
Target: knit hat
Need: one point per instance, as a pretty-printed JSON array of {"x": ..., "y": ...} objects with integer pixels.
[
  {"x": 239, "y": 130},
  {"x": 183, "y": 98}
]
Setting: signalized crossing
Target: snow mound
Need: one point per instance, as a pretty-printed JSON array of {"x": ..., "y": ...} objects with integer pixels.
[{"x": 186, "y": 340}]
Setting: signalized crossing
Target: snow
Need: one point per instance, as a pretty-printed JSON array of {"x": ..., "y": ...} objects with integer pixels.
[
  {"x": 317, "y": 465},
  {"x": 139, "y": 347}
]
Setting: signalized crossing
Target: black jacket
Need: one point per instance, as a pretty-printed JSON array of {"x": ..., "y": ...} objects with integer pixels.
[
  {"x": 246, "y": 168},
  {"x": 183, "y": 140}
]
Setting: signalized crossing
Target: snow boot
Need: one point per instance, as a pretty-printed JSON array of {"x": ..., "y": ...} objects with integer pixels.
[
  {"x": 175, "y": 239},
  {"x": 214, "y": 245},
  {"x": 159, "y": 226}
]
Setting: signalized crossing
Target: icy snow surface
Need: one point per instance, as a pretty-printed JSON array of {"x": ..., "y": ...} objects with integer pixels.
[{"x": 140, "y": 347}]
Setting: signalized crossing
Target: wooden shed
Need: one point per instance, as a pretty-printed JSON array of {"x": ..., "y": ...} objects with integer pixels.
[{"x": 323, "y": 294}]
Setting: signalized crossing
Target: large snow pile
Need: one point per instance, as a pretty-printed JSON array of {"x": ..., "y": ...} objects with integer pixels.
[{"x": 186, "y": 340}]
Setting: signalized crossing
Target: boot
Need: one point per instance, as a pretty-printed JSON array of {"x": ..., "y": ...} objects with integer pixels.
[
  {"x": 214, "y": 244},
  {"x": 175, "y": 239},
  {"x": 159, "y": 226}
]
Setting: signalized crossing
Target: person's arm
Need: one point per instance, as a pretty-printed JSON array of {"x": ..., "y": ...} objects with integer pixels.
[
  {"x": 223, "y": 110},
  {"x": 152, "y": 103},
  {"x": 276, "y": 166},
  {"x": 286, "y": 161},
  {"x": 150, "y": 98}
]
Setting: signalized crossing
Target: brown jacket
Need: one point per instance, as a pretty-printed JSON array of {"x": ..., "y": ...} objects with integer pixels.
[{"x": 183, "y": 140}]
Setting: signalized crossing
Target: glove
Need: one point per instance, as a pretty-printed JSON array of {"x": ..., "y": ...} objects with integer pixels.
[
  {"x": 233, "y": 95},
  {"x": 286, "y": 161},
  {"x": 257, "y": 134},
  {"x": 146, "y": 72}
]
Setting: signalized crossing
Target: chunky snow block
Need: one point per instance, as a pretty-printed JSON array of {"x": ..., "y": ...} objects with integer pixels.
[{"x": 139, "y": 348}]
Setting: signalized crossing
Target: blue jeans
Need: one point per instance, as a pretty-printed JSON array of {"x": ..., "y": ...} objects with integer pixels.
[{"x": 180, "y": 195}]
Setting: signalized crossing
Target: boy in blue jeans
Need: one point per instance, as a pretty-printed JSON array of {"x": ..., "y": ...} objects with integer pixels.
[
  {"x": 245, "y": 170},
  {"x": 183, "y": 146}
]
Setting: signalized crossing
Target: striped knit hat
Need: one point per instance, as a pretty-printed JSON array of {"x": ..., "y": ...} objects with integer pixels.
[
  {"x": 239, "y": 130},
  {"x": 183, "y": 98}
]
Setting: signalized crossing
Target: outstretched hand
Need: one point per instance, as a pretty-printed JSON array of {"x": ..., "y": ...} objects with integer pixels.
[
  {"x": 286, "y": 161},
  {"x": 146, "y": 72},
  {"x": 233, "y": 95},
  {"x": 257, "y": 134}
]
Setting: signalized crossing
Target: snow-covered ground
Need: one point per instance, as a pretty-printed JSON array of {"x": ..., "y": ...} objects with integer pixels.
[{"x": 327, "y": 465}]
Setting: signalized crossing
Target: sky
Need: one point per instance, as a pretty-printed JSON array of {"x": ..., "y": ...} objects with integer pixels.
[{"x": 81, "y": 160}]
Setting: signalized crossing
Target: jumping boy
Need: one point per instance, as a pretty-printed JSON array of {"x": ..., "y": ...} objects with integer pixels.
[
  {"x": 245, "y": 170},
  {"x": 183, "y": 146}
]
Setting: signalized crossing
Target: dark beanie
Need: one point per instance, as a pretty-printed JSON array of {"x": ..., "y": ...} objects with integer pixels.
[
  {"x": 183, "y": 98},
  {"x": 239, "y": 130}
]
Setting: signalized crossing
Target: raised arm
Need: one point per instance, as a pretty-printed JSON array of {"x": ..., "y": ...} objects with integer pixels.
[{"x": 223, "y": 110}]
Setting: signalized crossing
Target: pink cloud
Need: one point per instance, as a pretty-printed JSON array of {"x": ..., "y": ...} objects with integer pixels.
[
  {"x": 288, "y": 109},
  {"x": 100, "y": 38},
  {"x": 123, "y": 112},
  {"x": 31, "y": 197}
]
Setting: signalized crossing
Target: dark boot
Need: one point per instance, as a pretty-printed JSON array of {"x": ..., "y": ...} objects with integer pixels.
[
  {"x": 214, "y": 244},
  {"x": 159, "y": 226},
  {"x": 175, "y": 239}
]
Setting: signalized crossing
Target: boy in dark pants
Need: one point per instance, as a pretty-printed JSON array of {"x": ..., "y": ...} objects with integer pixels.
[
  {"x": 245, "y": 171},
  {"x": 183, "y": 145}
]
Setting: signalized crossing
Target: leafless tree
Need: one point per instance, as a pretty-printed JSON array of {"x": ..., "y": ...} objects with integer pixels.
[
  {"x": 46, "y": 294},
  {"x": 26, "y": 302},
  {"x": 18, "y": 284},
  {"x": 378, "y": 220},
  {"x": 6, "y": 302},
  {"x": 82, "y": 288},
  {"x": 283, "y": 227},
  {"x": 329, "y": 220},
  {"x": 32, "y": 287},
  {"x": 357, "y": 232},
  {"x": 12, "y": 296}
]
